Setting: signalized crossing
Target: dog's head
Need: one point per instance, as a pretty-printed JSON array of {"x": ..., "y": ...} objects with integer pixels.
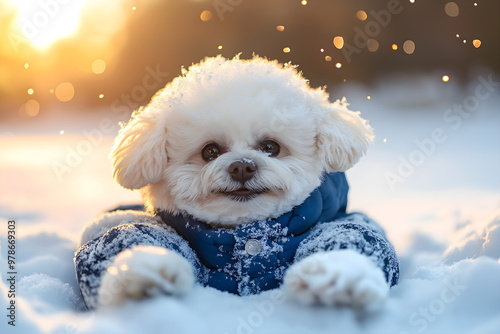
[{"x": 233, "y": 141}]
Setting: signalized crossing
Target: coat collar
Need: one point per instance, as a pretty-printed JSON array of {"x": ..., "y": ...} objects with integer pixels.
[{"x": 323, "y": 204}]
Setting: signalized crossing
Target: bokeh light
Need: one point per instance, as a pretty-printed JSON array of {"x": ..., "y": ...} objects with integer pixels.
[
  {"x": 112, "y": 50},
  {"x": 445, "y": 78},
  {"x": 451, "y": 9},
  {"x": 409, "y": 47},
  {"x": 361, "y": 15},
  {"x": 30, "y": 108},
  {"x": 65, "y": 92},
  {"x": 338, "y": 42},
  {"x": 372, "y": 45},
  {"x": 98, "y": 66},
  {"x": 206, "y": 15}
]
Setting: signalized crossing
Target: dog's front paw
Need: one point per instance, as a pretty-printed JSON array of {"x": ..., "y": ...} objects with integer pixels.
[
  {"x": 145, "y": 271},
  {"x": 341, "y": 277}
]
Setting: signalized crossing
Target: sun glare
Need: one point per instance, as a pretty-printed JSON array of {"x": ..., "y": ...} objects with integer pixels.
[{"x": 45, "y": 22}]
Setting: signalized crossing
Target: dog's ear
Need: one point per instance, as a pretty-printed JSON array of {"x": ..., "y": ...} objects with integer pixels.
[
  {"x": 139, "y": 152},
  {"x": 343, "y": 137}
]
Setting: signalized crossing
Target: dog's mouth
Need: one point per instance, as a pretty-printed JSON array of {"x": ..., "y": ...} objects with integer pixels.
[{"x": 244, "y": 194}]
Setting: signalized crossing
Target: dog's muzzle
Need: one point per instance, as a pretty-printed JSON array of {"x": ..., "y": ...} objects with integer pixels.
[
  {"x": 242, "y": 171},
  {"x": 244, "y": 194}
]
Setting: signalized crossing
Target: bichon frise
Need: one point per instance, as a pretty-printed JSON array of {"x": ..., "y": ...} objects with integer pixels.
[{"x": 240, "y": 163}]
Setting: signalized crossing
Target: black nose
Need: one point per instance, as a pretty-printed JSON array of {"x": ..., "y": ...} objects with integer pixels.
[{"x": 242, "y": 171}]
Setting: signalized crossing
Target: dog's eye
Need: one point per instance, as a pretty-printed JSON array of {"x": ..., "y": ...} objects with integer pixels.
[
  {"x": 211, "y": 152},
  {"x": 270, "y": 147}
]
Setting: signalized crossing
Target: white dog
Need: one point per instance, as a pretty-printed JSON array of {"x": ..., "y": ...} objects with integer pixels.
[{"x": 235, "y": 148}]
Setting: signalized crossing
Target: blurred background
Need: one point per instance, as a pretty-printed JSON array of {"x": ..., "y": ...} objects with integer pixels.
[
  {"x": 84, "y": 55},
  {"x": 70, "y": 70},
  {"x": 425, "y": 73}
]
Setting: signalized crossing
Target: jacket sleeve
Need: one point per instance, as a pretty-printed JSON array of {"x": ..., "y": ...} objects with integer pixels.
[
  {"x": 357, "y": 232},
  {"x": 95, "y": 256}
]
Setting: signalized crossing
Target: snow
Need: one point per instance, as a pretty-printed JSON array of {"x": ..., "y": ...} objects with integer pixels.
[
  {"x": 443, "y": 218},
  {"x": 472, "y": 244},
  {"x": 97, "y": 226}
]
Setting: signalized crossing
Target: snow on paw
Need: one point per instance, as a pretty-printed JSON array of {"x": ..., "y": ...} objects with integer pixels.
[
  {"x": 145, "y": 271},
  {"x": 344, "y": 278}
]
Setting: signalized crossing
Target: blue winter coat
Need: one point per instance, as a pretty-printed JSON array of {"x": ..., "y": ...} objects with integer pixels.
[{"x": 252, "y": 257}]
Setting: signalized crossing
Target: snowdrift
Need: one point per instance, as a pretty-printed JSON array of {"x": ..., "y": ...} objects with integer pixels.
[
  {"x": 443, "y": 217},
  {"x": 460, "y": 297}
]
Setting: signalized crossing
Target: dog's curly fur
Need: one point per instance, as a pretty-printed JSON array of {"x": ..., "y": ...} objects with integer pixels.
[
  {"x": 234, "y": 141},
  {"x": 237, "y": 104}
]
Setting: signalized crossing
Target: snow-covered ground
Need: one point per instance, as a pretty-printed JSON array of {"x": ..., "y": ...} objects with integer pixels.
[{"x": 431, "y": 179}]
